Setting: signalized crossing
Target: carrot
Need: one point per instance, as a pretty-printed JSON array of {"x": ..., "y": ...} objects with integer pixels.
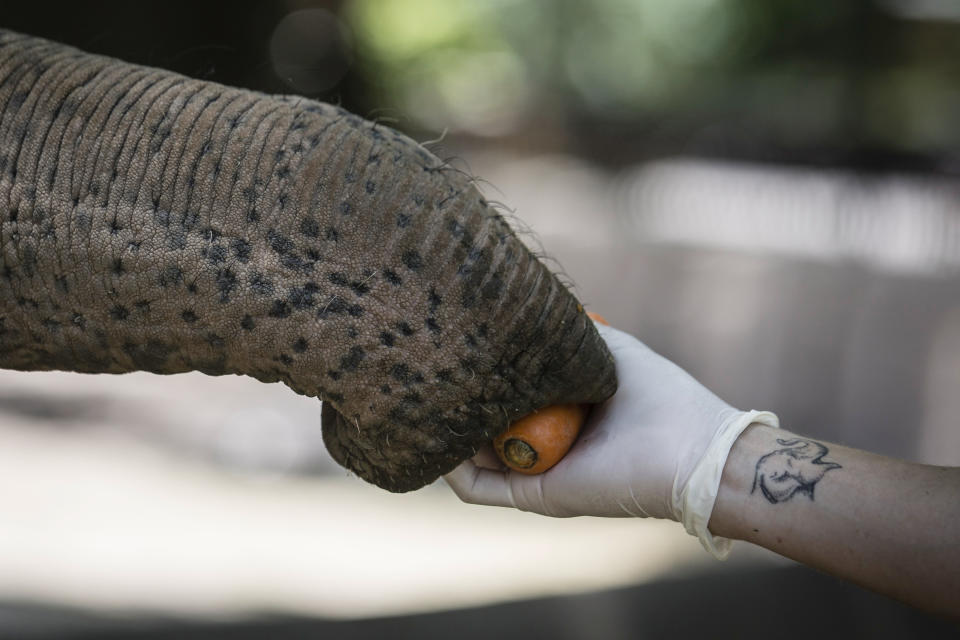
[
  {"x": 596, "y": 317},
  {"x": 538, "y": 441}
]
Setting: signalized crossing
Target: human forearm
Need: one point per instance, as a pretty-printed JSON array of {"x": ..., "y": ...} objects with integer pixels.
[{"x": 885, "y": 524}]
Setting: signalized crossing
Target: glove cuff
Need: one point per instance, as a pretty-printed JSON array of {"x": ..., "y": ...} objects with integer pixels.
[{"x": 700, "y": 493}]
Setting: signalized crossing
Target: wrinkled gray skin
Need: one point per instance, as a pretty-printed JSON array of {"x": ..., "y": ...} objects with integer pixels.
[{"x": 153, "y": 222}]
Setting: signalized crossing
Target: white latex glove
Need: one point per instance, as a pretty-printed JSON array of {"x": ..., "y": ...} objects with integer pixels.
[{"x": 655, "y": 449}]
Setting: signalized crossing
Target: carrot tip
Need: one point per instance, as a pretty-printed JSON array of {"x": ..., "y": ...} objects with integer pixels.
[{"x": 519, "y": 453}]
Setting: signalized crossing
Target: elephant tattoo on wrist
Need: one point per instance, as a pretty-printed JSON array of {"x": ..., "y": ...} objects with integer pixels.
[{"x": 797, "y": 468}]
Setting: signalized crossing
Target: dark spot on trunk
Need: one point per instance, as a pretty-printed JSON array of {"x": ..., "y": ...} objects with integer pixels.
[
  {"x": 280, "y": 309},
  {"x": 247, "y": 323},
  {"x": 310, "y": 228},
  {"x": 189, "y": 316},
  {"x": 301, "y": 345},
  {"x": 215, "y": 341},
  {"x": 226, "y": 283},
  {"x": 285, "y": 359},
  {"x": 401, "y": 373},
  {"x": 434, "y": 299},
  {"x": 303, "y": 297},
  {"x": 405, "y": 328},
  {"x": 403, "y": 220},
  {"x": 118, "y": 266},
  {"x": 360, "y": 288},
  {"x": 413, "y": 398},
  {"x": 432, "y": 325},
  {"x": 355, "y": 311},
  {"x": 333, "y": 306},
  {"x": 241, "y": 249},
  {"x": 261, "y": 285},
  {"x": 279, "y": 243},
  {"x": 83, "y": 219},
  {"x": 412, "y": 260},
  {"x": 190, "y": 220},
  {"x": 119, "y": 312},
  {"x": 387, "y": 339},
  {"x": 294, "y": 262},
  {"x": 338, "y": 279},
  {"x": 392, "y": 277},
  {"x": 331, "y": 234},
  {"x": 493, "y": 289}
]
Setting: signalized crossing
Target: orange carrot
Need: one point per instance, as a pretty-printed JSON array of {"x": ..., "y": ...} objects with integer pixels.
[
  {"x": 538, "y": 441},
  {"x": 596, "y": 317}
]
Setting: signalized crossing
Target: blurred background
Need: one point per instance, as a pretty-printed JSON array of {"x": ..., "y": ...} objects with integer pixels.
[{"x": 764, "y": 191}]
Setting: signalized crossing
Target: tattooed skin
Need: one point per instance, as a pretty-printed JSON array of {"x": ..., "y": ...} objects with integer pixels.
[{"x": 797, "y": 468}]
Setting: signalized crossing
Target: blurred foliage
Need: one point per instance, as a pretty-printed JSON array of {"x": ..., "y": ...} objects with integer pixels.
[{"x": 735, "y": 77}]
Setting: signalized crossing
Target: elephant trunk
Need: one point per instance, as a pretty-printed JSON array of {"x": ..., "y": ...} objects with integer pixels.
[{"x": 153, "y": 222}]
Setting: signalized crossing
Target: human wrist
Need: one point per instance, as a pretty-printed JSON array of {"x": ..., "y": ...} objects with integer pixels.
[
  {"x": 695, "y": 503},
  {"x": 730, "y": 516}
]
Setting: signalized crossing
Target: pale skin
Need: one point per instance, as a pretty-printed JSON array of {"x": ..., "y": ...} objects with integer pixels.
[{"x": 888, "y": 525}]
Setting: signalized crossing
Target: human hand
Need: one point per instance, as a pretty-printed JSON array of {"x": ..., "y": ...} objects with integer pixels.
[{"x": 655, "y": 449}]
